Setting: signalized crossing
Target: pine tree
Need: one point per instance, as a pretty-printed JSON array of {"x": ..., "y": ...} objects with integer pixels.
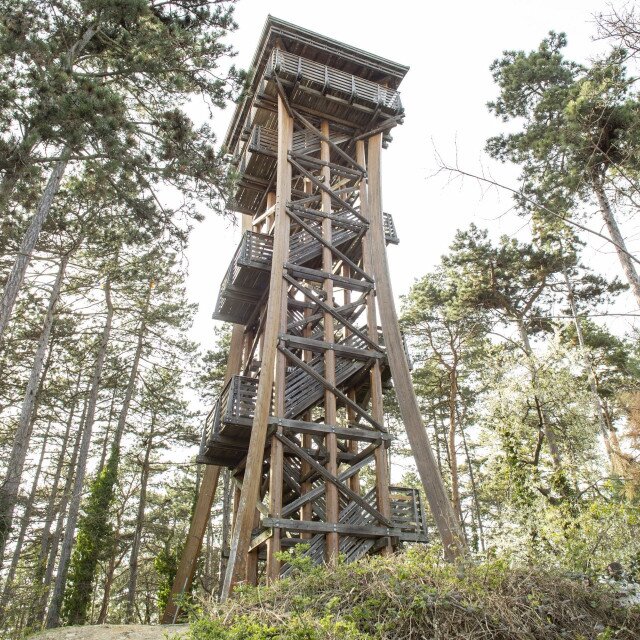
[{"x": 579, "y": 135}]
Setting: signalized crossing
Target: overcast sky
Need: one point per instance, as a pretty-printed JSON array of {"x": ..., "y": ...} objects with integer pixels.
[{"x": 449, "y": 47}]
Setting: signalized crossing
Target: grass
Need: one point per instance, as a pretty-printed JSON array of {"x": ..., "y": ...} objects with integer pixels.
[{"x": 416, "y": 596}]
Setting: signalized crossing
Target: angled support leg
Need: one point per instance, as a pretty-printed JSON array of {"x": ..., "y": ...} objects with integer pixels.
[{"x": 441, "y": 508}]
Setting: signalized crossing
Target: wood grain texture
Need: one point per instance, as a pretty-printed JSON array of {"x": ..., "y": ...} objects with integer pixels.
[{"x": 241, "y": 537}]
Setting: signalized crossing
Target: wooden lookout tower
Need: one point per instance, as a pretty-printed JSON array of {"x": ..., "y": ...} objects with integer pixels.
[{"x": 315, "y": 339}]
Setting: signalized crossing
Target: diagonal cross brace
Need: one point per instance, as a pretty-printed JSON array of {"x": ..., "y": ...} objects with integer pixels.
[
  {"x": 307, "y": 125},
  {"x": 292, "y": 446},
  {"x": 329, "y": 246},
  {"x": 329, "y": 387},
  {"x": 318, "y": 491},
  {"x": 328, "y": 190},
  {"x": 329, "y": 309}
]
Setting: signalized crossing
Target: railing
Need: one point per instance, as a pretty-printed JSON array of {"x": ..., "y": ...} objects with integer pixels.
[
  {"x": 265, "y": 140},
  {"x": 407, "y": 511},
  {"x": 331, "y": 81},
  {"x": 390, "y": 234},
  {"x": 245, "y": 279},
  {"x": 256, "y": 250}
]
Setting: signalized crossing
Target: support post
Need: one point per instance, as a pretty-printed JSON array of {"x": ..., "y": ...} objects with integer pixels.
[
  {"x": 332, "y": 546},
  {"x": 383, "y": 499},
  {"x": 241, "y": 538}
]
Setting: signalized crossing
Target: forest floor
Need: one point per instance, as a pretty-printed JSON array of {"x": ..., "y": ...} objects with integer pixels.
[{"x": 115, "y": 632}]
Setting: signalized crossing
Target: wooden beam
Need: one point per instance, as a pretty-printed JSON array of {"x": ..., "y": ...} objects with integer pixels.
[
  {"x": 333, "y": 480},
  {"x": 320, "y": 428},
  {"x": 305, "y": 498},
  {"x": 383, "y": 499},
  {"x": 360, "y": 531},
  {"x": 332, "y": 388},
  {"x": 312, "y": 295},
  {"x": 320, "y": 275},
  {"x": 236, "y": 567},
  {"x": 332, "y": 541},
  {"x": 328, "y": 244},
  {"x": 326, "y": 189},
  {"x": 320, "y": 346},
  {"x": 324, "y": 138},
  {"x": 441, "y": 508}
]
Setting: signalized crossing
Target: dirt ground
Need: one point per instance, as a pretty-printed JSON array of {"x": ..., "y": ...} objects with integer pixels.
[{"x": 115, "y": 632}]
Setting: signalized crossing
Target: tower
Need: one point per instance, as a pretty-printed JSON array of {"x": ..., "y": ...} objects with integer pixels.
[{"x": 315, "y": 337}]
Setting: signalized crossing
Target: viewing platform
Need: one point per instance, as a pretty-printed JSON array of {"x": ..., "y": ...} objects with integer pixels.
[{"x": 247, "y": 278}]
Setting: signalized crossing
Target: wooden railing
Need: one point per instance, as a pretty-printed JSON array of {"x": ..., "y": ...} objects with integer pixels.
[{"x": 330, "y": 81}]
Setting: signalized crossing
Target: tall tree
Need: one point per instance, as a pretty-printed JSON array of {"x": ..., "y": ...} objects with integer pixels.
[
  {"x": 106, "y": 83},
  {"x": 579, "y": 136},
  {"x": 53, "y": 614}
]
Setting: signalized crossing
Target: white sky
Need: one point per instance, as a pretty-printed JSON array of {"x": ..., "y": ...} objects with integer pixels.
[{"x": 449, "y": 47}]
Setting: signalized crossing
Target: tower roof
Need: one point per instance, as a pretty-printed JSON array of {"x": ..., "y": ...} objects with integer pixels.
[{"x": 320, "y": 49}]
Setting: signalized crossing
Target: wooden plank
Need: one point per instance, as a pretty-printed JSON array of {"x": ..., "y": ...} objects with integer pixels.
[
  {"x": 383, "y": 127},
  {"x": 335, "y": 168},
  {"x": 256, "y": 541},
  {"x": 319, "y": 275},
  {"x": 338, "y": 220},
  {"x": 360, "y": 531},
  {"x": 441, "y": 509},
  {"x": 320, "y": 346},
  {"x": 348, "y": 433},
  {"x": 236, "y": 567}
]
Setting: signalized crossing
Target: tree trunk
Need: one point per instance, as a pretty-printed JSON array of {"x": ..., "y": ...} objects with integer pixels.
[
  {"x": 46, "y": 563},
  {"x": 15, "y": 465},
  {"x": 53, "y": 495},
  {"x": 26, "y": 519},
  {"x": 19, "y": 269},
  {"x": 549, "y": 431},
  {"x": 593, "y": 385},
  {"x": 133, "y": 374},
  {"x": 108, "y": 582},
  {"x": 107, "y": 431},
  {"x": 474, "y": 487},
  {"x": 614, "y": 231},
  {"x": 453, "y": 454},
  {"x": 436, "y": 437},
  {"x": 137, "y": 538},
  {"x": 53, "y": 615}
]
